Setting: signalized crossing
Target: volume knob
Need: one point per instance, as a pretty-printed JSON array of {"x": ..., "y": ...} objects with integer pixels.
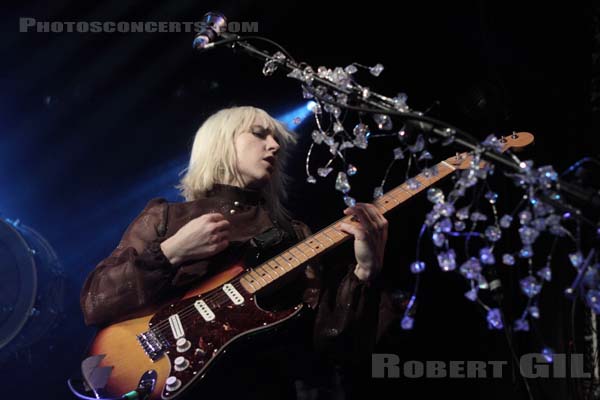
[
  {"x": 181, "y": 363},
  {"x": 173, "y": 384},
  {"x": 183, "y": 345}
]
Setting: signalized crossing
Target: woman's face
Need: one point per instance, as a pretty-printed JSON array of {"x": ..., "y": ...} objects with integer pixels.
[{"x": 256, "y": 150}]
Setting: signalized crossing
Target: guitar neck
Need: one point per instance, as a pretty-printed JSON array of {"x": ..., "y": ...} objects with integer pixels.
[{"x": 330, "y": 237}]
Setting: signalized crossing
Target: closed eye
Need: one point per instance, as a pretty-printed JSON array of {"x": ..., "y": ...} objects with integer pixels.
[{"x": 263, "y": 133}]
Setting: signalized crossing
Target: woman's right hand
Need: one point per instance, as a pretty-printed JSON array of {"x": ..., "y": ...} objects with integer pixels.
[{"x": 200, "y": 238}]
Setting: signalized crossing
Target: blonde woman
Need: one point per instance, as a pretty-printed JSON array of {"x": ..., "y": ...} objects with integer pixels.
[{"x": 234, "y": 189}]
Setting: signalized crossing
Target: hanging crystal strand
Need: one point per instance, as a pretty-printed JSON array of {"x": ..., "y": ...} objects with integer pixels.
[
  {"x": 378, "y": 191},
  {"x": 416, "y": 268},
  {"x": 309, "y": 177}
]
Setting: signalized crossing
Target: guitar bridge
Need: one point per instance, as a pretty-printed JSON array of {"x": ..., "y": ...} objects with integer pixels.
[{"x": 152, "y": 343}]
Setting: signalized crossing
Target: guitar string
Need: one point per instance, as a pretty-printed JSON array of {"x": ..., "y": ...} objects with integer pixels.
[{"x": 217, "y": 296}]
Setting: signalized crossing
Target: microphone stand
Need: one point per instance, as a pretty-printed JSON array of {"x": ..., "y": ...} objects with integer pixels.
[{"x": 385, "y": 105}]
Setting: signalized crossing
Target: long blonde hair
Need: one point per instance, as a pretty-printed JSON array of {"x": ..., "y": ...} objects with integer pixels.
[{"x": 213, "y": 158}]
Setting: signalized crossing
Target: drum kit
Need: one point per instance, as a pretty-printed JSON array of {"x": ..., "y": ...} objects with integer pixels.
[{"x": 31, "y": 288}]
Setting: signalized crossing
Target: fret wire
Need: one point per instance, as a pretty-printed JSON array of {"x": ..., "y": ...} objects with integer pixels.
[
  {"x": 262, "y": 268},
  {"x": 257, "y": 278},
  {"x": 273, "y": 270},
  {"x": 290, "y": 266}
]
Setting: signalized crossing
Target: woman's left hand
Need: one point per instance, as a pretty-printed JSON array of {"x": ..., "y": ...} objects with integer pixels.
[{"x": 370, "y": 231}]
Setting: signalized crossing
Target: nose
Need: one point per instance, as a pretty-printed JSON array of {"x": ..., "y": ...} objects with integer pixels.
[{"x": 272, "y": 144}]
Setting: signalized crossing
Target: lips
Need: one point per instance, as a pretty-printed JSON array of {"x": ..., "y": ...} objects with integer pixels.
[{"x": 270, "y": 160}]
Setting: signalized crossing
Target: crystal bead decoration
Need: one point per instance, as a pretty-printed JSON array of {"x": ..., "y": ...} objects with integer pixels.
[
  {"x": 311, "y": 179},
  {"x": 534, "y": 311},
  {"x": 491, "y": 197},
  {"x": 547, "y": 176},
  {"x": 446, "y": 209},
  {"x": 270, "y": 67},
  {"x": 376, "y": 70},
  {"x": 400, "y": 102},
  {"x": 487, "y": 256},
  {"x": 477, "y": 216},
  {"x": 317, "y": 137},
  {"x": 306, "y": 94},
  {"x": 413, "y": 184},
  {"x": 505, "y": 221},
  {"x": 378, "y": 192},
  {"x": 530, "y": 286},
  {"x": 295, "y": 74},
  {"x": 417, "y": 267},
  {"x": 592, "y": 299},
  {"x": 407, "y": 323},
  {"x": 539, "y": 224},
  {"x": 431, "y": 171},
  {"x": 524, "y": 217},
  {"x": 492, "y": 142},
  {"x": 418, "y": 146},
  {"x": 494, "y": 319},
  {"x": 528, "y": 235},
  {"x": 351, "y": 69},
  {"x": 493, "y": 233},
  {"x": 323, "y": 172},
  {"x": 482, "y": 283},
  {"x": 337, "y": 127},
  {"x": 360, "y": 141},
  {"x": 548, "y": 354},
  {"x": 545, "y": 273},
  {"x": 333, "y": 148},
  {"x": 521, "y": 325},
  {"x": 308, "y": 75},
  {"x": 438, "y": 239},
  {"x": 445, "y": 225},
  {"x": 459, "y": 226},
  {"x": 471, "y": 268},
  {"x": 431, "y": 217},
  {"x": 361, "y": 132},
  {"x": 398, "y": 153},
  {"x": 349, "y": 201},
  {"x": 447, "y": 260},
  {"x": 463, "y": 213},
  {"x": 383, "y": 122},
  {"x": 472, "y": 294},
  {"x": 425, "y": 155},
  {"x": 508, "y": 259},
  {"x": 341, "y": 183},
  {"x": 576, "y": 259},
  {"x": 526, "y": 252},
  {"x": 351, "y": 170},
  {"x": 346, "y": 145},
  {"x": 435, "y": 195}
]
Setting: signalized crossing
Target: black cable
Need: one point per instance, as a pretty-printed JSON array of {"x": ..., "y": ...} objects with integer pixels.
[
  {"x": 514, "y": 354},
  {"x": 84, "y": 397}
]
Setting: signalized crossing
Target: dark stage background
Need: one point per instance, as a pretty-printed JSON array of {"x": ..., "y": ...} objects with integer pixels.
[{"x": 92, "y": 126}]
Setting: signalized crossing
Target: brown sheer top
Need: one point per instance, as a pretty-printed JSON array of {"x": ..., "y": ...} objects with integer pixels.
[{"x": 349, "y": 314}]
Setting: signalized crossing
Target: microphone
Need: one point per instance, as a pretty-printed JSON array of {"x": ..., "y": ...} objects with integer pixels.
[{"x": 212, "y": 26}]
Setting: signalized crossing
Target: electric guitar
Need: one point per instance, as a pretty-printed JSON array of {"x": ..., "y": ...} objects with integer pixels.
[{"x": 167, "y": 352}]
